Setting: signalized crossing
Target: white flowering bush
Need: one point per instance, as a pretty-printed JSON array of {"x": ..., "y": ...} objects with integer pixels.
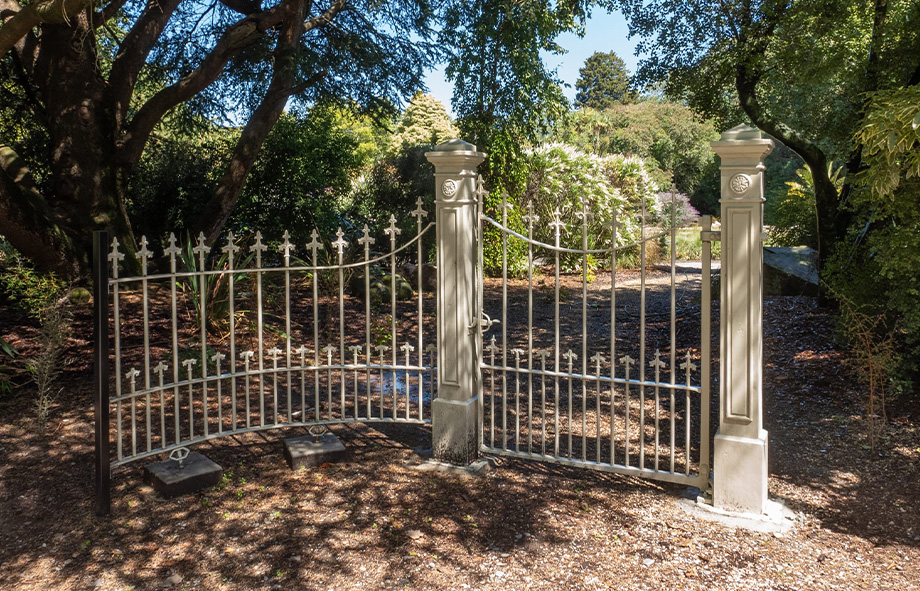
[{"x": 562, "y": 178}]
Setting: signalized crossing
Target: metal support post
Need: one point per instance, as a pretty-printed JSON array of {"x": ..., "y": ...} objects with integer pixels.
[{"x": 103, "y": 502}]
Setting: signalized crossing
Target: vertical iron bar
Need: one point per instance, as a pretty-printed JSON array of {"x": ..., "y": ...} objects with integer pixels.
[
  {"x": 114, "y": 257},
  {"x": 258, "y": 247},
  {"x": 103, "y": 498},
  {"x": 286, "y": 246},
  {"x": 230, "y": 248},
  {"x": 642, "y": 272},
  {"x": 584, "y": 330},
  {"x": 172, "y": 250},
  {"x": 613, "y": 333},
  {"x": 705, "y": 344},
  {"x": 557, "y": 225},
  {"x": 505, "y": 206},
  {"x": 530, "y": 221},
  {"x": 674, "y": 311}
]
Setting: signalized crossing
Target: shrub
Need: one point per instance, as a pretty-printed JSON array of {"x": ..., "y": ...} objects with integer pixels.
[{"x": 562, "y": 179}]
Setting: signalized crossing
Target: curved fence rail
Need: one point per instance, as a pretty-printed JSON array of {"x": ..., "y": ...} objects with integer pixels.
[
  {"x": 599, "y": 367},
  {"x": 222, "y": 345}
]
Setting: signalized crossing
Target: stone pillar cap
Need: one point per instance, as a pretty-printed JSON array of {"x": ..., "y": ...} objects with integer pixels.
[
  {"x": 455, "y": 145},
  {"x": 741, "y": 133}
]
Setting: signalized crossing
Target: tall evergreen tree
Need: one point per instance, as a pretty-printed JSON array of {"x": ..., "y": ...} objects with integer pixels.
[{"x": 603, "y": 82}]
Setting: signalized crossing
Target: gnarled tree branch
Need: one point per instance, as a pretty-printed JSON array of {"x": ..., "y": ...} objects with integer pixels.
[{"x": 20, "y": 22}]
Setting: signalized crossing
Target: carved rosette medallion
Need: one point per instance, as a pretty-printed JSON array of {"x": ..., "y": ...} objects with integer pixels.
[
  {"x": 740, "y": 183},
  {"x": 449, "y": 188}
]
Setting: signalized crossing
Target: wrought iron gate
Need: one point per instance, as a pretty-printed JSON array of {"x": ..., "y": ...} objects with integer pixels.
[
  {"x": 608, "y": 372},
  {"x": 284, "y": 351}
]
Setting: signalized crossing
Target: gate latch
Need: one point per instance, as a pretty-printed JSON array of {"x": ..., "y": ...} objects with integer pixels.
[{"x": 485, "y": 323}]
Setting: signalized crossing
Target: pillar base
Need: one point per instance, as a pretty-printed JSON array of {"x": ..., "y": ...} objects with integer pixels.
[
  {"x": 740, "y": 466},
  {"x": 455, "y": 431}
]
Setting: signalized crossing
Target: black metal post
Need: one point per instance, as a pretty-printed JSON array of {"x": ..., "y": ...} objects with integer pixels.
[{"x": 101, "y": 375}]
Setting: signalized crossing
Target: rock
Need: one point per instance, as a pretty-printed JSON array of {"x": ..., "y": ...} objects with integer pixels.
[
  {"x": 414, "y": 534},
  {"x": 79, "y": 296},
  {"x": 429, "y": 276},
  {"x": 648, "y": 561},
  {"x": 786, "y": 271},
  {"x": 790, "y": 271},
  {"x": 173, "y": 579},
  {"x": 403, "y": 289}
]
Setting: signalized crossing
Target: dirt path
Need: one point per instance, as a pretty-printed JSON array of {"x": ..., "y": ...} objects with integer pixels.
[{"x": 375, "y": 522}]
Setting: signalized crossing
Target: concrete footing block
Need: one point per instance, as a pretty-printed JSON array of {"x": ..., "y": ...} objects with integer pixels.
[
  {"x": 310, "y": 451},
  {"x": 477, "y": 468},
  {"x": 172, "y": 479}
]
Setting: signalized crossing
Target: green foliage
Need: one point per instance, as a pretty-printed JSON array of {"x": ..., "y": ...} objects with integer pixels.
[
  {"x": 214, "y": 287},
  {"x": 890, "y": 136},
  {"x": 35, "y": 292},
  {"x": 603, "y": 82},
  {"x": 303, "y": 177},
  {"x": 424, "y": 123},
  {"x": 877, "y": 270},
  {"x": 671, "y": 140},
  {"x": 502, "y": 89},
  {"x": 794, "y": 217},
  {"x": 176, "y": 178}
]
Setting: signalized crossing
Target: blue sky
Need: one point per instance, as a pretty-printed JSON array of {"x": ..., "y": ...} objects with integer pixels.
[{"x": 604, "y": 32}]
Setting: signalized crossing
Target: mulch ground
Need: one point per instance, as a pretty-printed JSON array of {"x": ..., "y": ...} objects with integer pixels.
[{"x": 377, "y": 522}]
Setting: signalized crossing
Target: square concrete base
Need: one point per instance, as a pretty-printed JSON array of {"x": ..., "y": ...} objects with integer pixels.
[
  {"x": 740, "y": 474},
  {"x": 309, "y": 451},
  {"x": 169, "y": 480},
  {"x": 455, "y": 431}
]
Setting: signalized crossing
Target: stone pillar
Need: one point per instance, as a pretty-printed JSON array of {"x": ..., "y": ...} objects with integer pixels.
[
  {"x": 455, "y": 420},
  {"x": 740, "y": 447}
]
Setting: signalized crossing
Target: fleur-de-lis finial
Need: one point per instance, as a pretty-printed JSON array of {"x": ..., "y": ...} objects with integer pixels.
[
  {"x": 257, "y": 246},
  {"x": 340, "y": 242},
  {"x": 230, "y": 248},
  {"x": 626, "y": 360},
  {"x": 355, "y": 350},
  {"x": 274, "y": 352},
  {"x": 173, "y": 249},
  {"x": 407, "y": 348},
  {"x": 366, "y": 240},
  {"x": 201, "y": 249},
  {"x": 570, "y": 357},
  {"x": 188, "y": 363},
  {"x": 688, "y": 364},
  {"x": 132, "y": 377},
  {"x": 432, "y": 350},
  {"x": 247, "y": 355},
  {"x": 557, "y": 224},
  {"x": 493, "y": 346},
  {"x": 285, "y": 248},
  {"x": 530, "y": 217},
  {"x": 419, "y": 211},
  {"x": 598, "y": 359},
  {"x": 517, "y": 354},
  {"x": 585, "y": 214},
  {"x": 115, "y": 257},
  {"x": 392, "y": 230},
  {"x": 381, "y": 349},
  {"x": 328, "y": 349},
  {"x": 314, "y": 243},
  {"x": 143, "y": 255},
  {"x": 218, "y": 356},
  {"x": 542, "y": 354},
  {"x": 657, "y": 362},
  {"x": 160, "y": 369},
  {"x": 481, "y": 192}
]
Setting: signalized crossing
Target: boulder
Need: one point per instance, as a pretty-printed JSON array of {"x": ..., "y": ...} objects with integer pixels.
[{"x": 429, "y": 276}]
